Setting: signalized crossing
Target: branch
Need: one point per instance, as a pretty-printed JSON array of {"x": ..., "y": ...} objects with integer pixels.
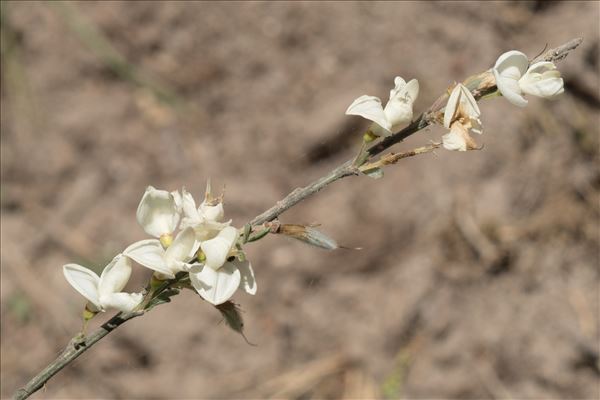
[
  {"x": 560, "y": 52},
  {"x": 79, "y": 345}
]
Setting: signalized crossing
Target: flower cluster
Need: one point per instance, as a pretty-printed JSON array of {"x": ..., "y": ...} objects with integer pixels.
[
  {"x": 513, "y": 76},
  {"x": 206, "y": 247}
]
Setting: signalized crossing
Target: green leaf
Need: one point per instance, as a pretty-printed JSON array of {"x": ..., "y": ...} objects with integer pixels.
[
  {"x": 246, "y": 233},
  {"x": 258, "y": 235},
  {"x": 232, "y": 316},
  {"x": 163, "y": 297},
  {"x": 374, "y": 173}
]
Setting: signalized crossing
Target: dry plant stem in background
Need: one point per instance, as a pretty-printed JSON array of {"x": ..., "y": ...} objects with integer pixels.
[{"x": 480, "y": 85}]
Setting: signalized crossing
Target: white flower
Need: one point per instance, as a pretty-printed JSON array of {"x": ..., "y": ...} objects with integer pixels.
[
  {"x": 218, "y": 279},
  {"x": 206, "y": 219},
  {"x": 509, "y": 68},
  {"x": 542, "y": 79},
  {"x": 158, "y": 212},
  {"x": 461, "y": 114},
  {"x": 397, "y": 112},
  {"x": 513, "y": 78},
  {"x": 104, "y": 291},
  {"x": 151, "y": 254}
]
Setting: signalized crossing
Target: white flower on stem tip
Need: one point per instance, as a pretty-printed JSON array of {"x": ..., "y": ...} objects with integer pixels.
[
  {"x": 159, "y": 211},
  {"x": 218, "y": 280},
  {"x": 104, "y": 291},
  {"x": 205, "y": 219},
  {"x": 151, "y": 254},
  {"x": 397, "y": 112},
  {"x": 461, "y": 115},
  {"x": 514, "y": 77},
  {"x": 542, "y": 79}
]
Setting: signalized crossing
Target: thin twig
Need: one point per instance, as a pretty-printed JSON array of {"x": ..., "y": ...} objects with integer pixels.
[
  {"x": 77, "y": 345},
  {"x": 393, "y": 158},
  {"x": 74, "y": 349}
]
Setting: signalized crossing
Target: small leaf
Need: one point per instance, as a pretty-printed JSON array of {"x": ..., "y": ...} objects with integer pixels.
[
  {"x": 309, "y": 235},
  {"x": 246, "y": 233},
  {"x": 258, "y": 235},
  {"x": 231, "y": 313},
  {"x": 163, "y": 297},
  {"x": 374, "y": 173}
]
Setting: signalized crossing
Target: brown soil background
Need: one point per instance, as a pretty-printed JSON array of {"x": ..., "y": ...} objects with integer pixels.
[{"x": 479, "y": 272}]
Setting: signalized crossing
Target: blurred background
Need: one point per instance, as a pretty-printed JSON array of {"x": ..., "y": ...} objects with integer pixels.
[{"x": 478, "y": 275}]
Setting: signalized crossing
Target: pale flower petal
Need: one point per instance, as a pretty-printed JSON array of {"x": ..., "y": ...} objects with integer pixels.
[
  {"x": 247, "y": 281},
  {"x": 542, "y": 79},
  {"x": 216, "y": 287},
  {"x": 124, "y": 302},
  {"x": 452, "y": 106},
  {"x": 412, "y": 90},
  {"x": 509, "y": 68},
  {"x": 114, "y": 276},
  {"x": 209, "y": 229},
  {"x": 511, "y": 90},
  {"x": 369, "y": 107},
  {"x": 218, "y": 248},
  {"x": 212, "y": 212},
  {"x": 399, "y": 109},
  {"x": 454, "y": 142},
  {"x": 150, "y": 254},
  {"x": 158, "y": 212},
  {"x": 398, "y": 112},
  {"x": 458, "y": 139},
  {"x": 399, "y": 85},
  {"x": 460, "y": 101},
  {"x": 512, "y": 64},
  {"x": 181, "y": 250},
  {"x": 189, "y": 207},
  {"x": 85, "y": 281}
]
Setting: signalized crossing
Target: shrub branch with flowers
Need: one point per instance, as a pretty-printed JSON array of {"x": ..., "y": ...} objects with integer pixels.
[{"x": 207, "y": 254}]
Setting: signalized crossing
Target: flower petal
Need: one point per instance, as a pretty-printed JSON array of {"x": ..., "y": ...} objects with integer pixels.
[
  {"x": 512, "y": 64},
  {"x": 125, "y": 302},
  {"x": 370, "y": 108},
  {"x": 209, "y": 229},
  {"x": 115, "y": 276},
  {"x": 83, "y": 280},
  {"x": 399, "y": 85},
  {"x": 510, "y": 89},
  {"x": 398, "y": 112},
  {"x": 458, "y": 139},
  {"x": 212, "y": 213},
  {"x": 509, "y": 68},
  {"x": 150, "y": 254},
  {"x": 218, "y": 248},
  {"x": 452, "y": 106},
  {"x": 461, "y": 103},
  {"x": 216, "y": 287},
  {"x": 542, "y": 79},
  {"x": 158, "y": 212},
  {"x": 247, "y": 281},
  {"x": 412, "y": 90},
  {"x": 189, "y": 206},
  {"x": 181, "y": 250},
  {"x": 468, "y": 103}
]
